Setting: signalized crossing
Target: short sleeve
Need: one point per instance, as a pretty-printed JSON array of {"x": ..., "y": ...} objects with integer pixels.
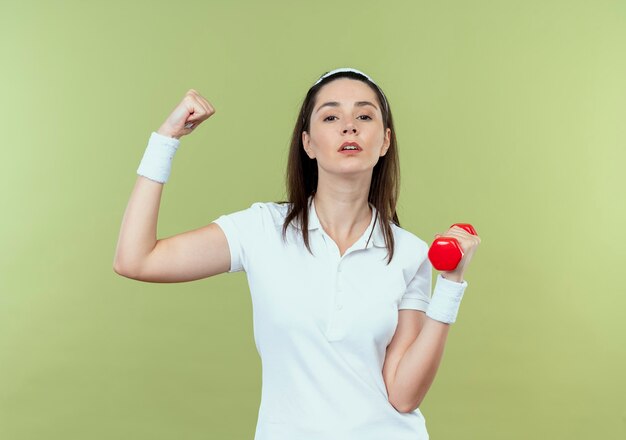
[
  {"x": 243, "y": 230},
  {"x": 417, "y": 294}
]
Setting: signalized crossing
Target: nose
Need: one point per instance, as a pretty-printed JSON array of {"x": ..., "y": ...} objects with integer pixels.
[{"x": 349, "y": 128}]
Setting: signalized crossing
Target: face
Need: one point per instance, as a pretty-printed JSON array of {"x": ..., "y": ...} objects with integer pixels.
[{"x": 346, "y": 110}]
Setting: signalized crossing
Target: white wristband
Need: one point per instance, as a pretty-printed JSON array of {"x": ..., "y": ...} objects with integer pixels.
[
  {"x": 156, "y": 163},
  {"x": 446, "y": 299}
]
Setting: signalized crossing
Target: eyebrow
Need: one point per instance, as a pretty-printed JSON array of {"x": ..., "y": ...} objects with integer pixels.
[{"x": 336, "y": 104}]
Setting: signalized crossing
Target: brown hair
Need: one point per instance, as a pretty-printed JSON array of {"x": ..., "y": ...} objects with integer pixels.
[{"x": 301, "y": 176}]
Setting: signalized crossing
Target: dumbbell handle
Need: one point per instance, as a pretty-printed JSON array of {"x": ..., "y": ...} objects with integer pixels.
[{"x": 446, "y": 252}]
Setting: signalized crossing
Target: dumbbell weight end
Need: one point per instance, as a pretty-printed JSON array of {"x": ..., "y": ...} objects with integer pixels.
[{"x": 445, "y": 253}]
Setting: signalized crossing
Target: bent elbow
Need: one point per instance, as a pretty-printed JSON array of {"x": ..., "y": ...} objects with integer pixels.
[
  {"x": 122, "y": 271},
  {"x": 405, "y": 407}
]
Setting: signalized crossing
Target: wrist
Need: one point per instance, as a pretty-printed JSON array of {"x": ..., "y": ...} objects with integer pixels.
[
  {"x": 167, "y": 134},
  {"x": 446, "y": 299},
  {"x": 163, "y": 131},
  {"x": 457, "y": 278},
  {"x": 156, "y": 163}
]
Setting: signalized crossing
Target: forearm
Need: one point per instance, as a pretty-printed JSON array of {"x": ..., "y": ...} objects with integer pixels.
[
  {"x": 418, "y": 367},
  {"x": 137, "y": 236}
]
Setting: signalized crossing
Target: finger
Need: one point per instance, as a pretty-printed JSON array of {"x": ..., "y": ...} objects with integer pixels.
[
  {"x": 211, "y": 108},
  {"x": 195, "y": 110},
  {"x": 465, "y": 237},
  {"x": 204, "y": 111},
  {"x": 207, "y": 105},
  {"x": 457, "y": 235},
  {"x": 202, "y": 103},
  {"x": 466, "y": 243},
  {"x": 458, "y": 229},
  {"x": 462, "y": 231},
  {"x": 449, "y": 234}
]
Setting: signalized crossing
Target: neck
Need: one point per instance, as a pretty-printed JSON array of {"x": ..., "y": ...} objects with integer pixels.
[{"x": 343, "y": 210}]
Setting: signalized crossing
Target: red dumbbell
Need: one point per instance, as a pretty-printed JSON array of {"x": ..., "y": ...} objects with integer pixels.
[{"x": 445, "y": 252}]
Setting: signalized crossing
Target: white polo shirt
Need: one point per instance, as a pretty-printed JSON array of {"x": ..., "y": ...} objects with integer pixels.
[{"x": 322, "y": 323}]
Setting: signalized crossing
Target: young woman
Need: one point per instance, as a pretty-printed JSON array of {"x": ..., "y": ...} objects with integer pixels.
[{"x": 349, "y": 335}]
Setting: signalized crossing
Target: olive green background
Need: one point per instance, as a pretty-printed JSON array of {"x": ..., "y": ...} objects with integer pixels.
[{"x": 509, "y": 115}]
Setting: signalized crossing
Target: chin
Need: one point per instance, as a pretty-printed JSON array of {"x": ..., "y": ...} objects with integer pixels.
[{"x": 354, "y": 169}]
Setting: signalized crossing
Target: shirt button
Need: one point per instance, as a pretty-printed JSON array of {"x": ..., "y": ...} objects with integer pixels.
[
  {"x": 338, "y": 268},
  {"x": 339, "y": 306}
]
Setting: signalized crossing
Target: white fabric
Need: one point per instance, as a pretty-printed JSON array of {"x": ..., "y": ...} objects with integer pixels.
[
  {"x": 444, "y": 305},
  {"x": 343, "y": 69},
  {"x": 322, "y": 323},
  {"x": 156, "y": 163}
]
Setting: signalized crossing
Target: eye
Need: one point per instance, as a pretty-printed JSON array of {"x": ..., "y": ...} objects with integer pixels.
[
  {"x": 329, "y": 117},
  {"x": 367, "y": 116}
]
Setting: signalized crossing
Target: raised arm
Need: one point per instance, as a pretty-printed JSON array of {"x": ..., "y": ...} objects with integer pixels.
[
  {"x": 188, "y": 256},
  {"x": 416, "y": 349}
]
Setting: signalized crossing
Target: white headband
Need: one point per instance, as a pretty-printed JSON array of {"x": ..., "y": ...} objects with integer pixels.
[
  {"x": 350, "y": 69},
  {"x": 343, "y": 69}
]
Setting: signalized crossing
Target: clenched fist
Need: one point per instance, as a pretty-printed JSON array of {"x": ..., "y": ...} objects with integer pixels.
[
  {"x": 469, "y": 243},
  {"x": 187, "y": 115}
]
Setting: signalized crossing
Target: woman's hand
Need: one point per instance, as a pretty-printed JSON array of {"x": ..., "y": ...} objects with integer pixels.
[
  {"x": 468, "y": 243},
  {"x": 187, "y": 115}
]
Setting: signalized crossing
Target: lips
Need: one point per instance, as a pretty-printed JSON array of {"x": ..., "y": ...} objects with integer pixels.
[{"x": 345, "y": 144}]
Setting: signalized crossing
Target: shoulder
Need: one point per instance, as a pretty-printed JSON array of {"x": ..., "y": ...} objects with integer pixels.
[
  {"x": 269, "y": 213},
  {"x": 405, "y": 240},
  {"x": 255, "y": 223},
  {"x": 412, "y": 253},
  {"x": 274, "y": 211},
  {"x": 261, "y": 213}
]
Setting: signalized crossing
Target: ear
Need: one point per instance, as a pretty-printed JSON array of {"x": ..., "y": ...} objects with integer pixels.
[
  {"x": 306, "y": 142},
  {"x": 386, "y": 143}
]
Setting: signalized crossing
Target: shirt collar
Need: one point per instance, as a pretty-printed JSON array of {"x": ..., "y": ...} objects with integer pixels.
[{"x": 377, "y": 239}]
